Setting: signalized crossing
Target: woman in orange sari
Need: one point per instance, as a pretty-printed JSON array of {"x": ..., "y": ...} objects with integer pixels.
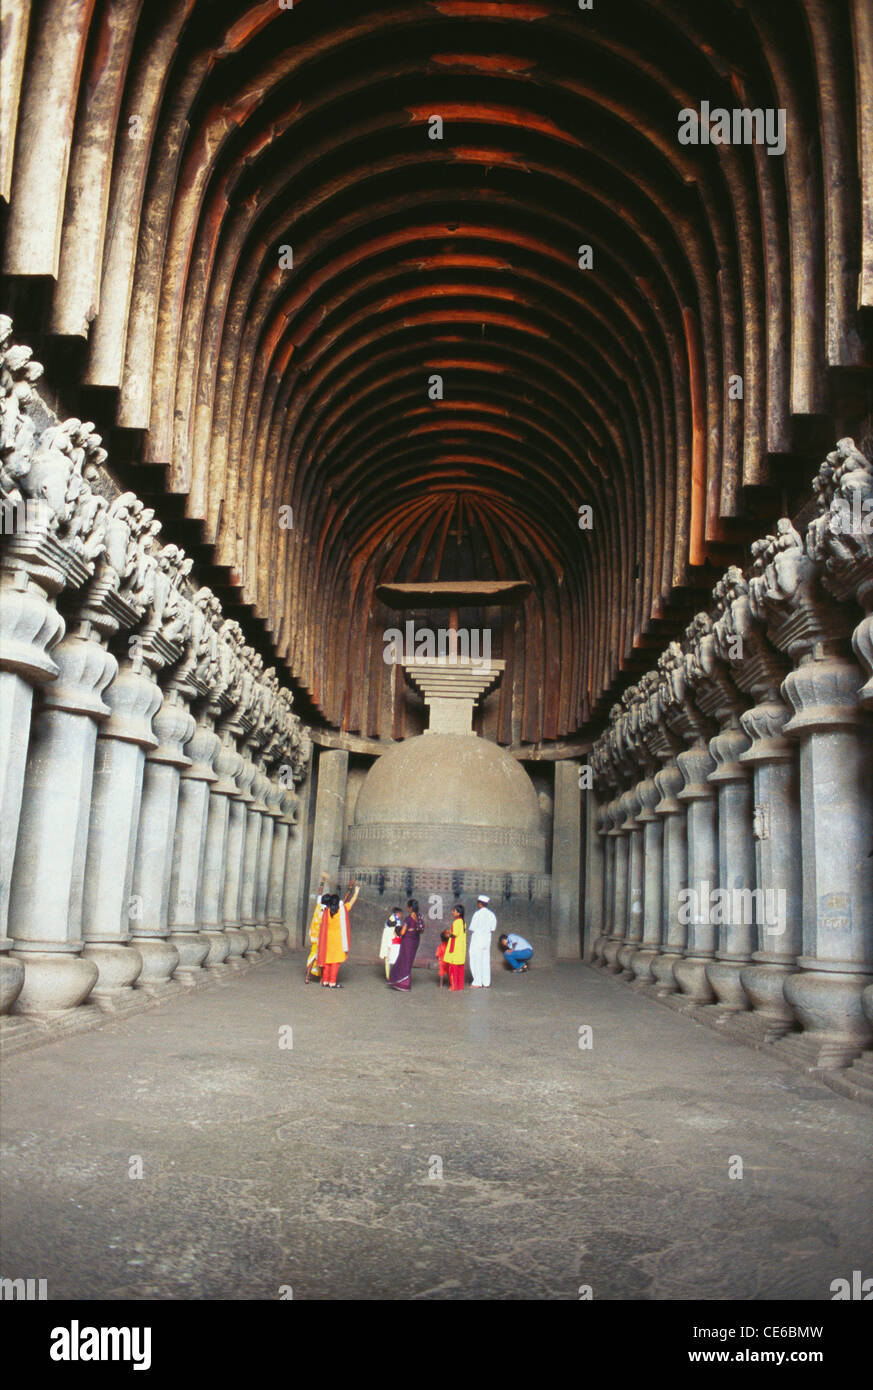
[{"x": 333, "y": 938}]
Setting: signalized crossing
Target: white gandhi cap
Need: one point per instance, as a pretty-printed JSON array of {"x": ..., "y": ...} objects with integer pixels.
[{"x": 482, "y": 898}]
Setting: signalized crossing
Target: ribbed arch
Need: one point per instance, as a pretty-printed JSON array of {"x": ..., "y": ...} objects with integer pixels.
[{"x": 156, "y": 158}]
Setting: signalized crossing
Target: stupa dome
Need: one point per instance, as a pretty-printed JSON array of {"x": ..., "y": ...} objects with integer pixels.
[{"x": 448, "y": 801}]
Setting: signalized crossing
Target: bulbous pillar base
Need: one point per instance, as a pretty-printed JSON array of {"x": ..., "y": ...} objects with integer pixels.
[
  {"x": 53, "y": 982},
  {"x": 625, "y": 956},
  {"x": 159, "y": 960},
  {"x": 11, "y": 980},
  {"x": 689, "y": 973},
  {"x": 193, "y": 948},
  {"x": 662, "y": 972},
  {"x": 237, "y": 945},
  {"x": 724, "y": 977},
  {"x": 829, "y": 1007},
  {"x": 218, "y": 952},
  {"x": 597, "y": 951},
  {"x": 642, "y": 962},
  {"x": 253, "y": 936},
  {"x": 770, "y": 1016},
  {"x": 610, "y": 956},
  {"x": 279, "y": 938},
  {"x": 118, "y": 968}
]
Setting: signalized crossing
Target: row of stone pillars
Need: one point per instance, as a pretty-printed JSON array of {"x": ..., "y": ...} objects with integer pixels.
[
  {"x": 148, "y": 761},
  {"x": 734, "y": 859}
]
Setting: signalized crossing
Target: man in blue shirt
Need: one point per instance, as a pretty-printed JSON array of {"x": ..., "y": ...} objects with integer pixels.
[{"x": 516, "y": 950}]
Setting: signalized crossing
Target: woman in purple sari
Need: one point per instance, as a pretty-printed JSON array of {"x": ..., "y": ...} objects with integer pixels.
[{"x": 400, "y": 976}]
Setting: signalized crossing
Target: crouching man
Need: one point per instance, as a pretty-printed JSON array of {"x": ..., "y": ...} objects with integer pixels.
[{"x": 516, "y": 951}]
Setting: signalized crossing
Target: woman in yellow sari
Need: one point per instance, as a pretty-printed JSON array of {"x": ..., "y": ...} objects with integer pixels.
[
  {"x": 456, "y": 951},
  {"x": 312, "y": 968}
]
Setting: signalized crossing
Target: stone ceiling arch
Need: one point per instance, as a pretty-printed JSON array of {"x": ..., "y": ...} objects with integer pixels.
[{"x": 152, "y": 264}]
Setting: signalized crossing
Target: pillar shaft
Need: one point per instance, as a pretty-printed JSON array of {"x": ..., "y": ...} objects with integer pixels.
[
  {"x": 836, "y": 774},
  {"x": 110, "y": 907},
  {"x": 737, "y": 927},
  {"x": 674, "y": 877},
  {"x": 153, "y": 864},
  {"x": 45, "y": 918},
  {"x": 30, "y": 627}
]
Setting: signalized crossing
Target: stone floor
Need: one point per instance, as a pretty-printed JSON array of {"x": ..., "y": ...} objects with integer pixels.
[{"x": 310, "y": 1166}]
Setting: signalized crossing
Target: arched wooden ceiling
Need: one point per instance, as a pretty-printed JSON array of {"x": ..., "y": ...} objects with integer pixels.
[{"x": 158, "y": 156}]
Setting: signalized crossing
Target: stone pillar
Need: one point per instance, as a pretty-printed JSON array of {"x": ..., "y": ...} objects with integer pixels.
[
  {"x": 189, "y": 847},
  {"x": 30, "y": 627},
  {"x": 566, "y": 861},
  {"x": 45, "y": 919},
  {"x": 759, "y": 669},
  {"x": 653, "y": 850},
  {"x": 789, "y": 593},
  {"x": 699, "y": 796},
  {"x": 231, "y": 900},
  {"x": 634, "y": 928},
  {"x": 836, "y": 775},
  {"x": 296, "y": 875},
  {"x": 109, "y": 907},
  {"x": 778, "y": 863},
  {"x": 284, "y": 802},
  {"x": 226, "y": 947},
  {"x": 620, "y": 835},
  {"x": 153, "y": 864},
  {"x": 674, "y": 878},
  {"x": 251, "y": 858},
  {"x": 594, "y": 872},
  {"x": 737, "y": 932},
  {"x": 611, "y": 812},
  {"x": 265, "y": 857},
  {"x": 251, "y": 834},
  {"x": 333, "y": 773},
  {"x": 607, "y": 861}
]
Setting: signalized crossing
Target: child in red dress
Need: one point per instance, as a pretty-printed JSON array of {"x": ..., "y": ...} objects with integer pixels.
[{"x": 441, "y": 958}]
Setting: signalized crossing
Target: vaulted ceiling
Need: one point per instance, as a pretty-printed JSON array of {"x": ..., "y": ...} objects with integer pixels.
[{"x": 235, "y": 224}]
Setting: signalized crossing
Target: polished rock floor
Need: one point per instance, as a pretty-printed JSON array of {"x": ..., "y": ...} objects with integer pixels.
[{"x": 315, "y": 1168}]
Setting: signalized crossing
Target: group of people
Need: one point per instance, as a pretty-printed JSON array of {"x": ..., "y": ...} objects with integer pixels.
[{"x": 329, "y": 943}]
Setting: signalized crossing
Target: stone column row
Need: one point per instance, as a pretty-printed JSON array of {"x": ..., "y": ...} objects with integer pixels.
[
  {"x": 133, "y": 721},
  {"x": 742, "y": 885}
]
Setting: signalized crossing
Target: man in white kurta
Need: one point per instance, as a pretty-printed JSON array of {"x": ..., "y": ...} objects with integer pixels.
[{"x": 483, "y": 924}]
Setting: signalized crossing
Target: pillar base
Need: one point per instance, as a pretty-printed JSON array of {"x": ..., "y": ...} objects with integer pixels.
[
  {"x": 159, "y": 960},
  {"x": 237, "y": 945},
  {"x": 11, "y": 980},
  {"x": 641, "y": 964},
  {"x": 53, "y": 982},
  {"x": 218, "y": 952},
  {"x": 625, "y": 957},
  {"x": 764, "y": 983},
  {"x": 829, "y": 1007},
  {"x": 662, "y": 971},
  {"x": 610, "y": 956},
  {"x": 279, "y": 934},
  {"x": 689, "y": 973},
  {"x": 193, "y": 948},
  {"x": 256, "y": 935},
  {"x": 118, "y": 967},
  {"x": 725, "y": 981}
]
